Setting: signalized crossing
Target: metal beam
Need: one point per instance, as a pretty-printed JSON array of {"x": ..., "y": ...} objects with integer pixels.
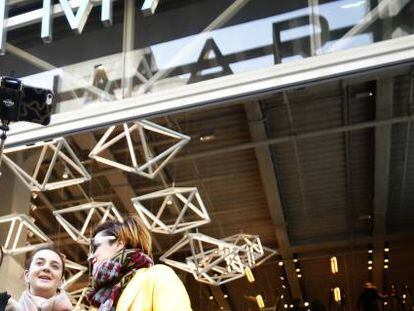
[
  {"x": 224, "y": 89},
  {"x": 384, "y": 110},
  {"x": 218, "y": 295},
  {"x": 271, "y": 189}
]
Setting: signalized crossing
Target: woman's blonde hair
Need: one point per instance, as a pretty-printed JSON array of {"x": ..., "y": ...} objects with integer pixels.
[{"x": 131, "y": 231}]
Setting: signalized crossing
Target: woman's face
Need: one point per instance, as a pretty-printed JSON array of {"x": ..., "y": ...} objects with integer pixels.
[
  {"x": 104, "y": 247},
  {"x": 45, "y": 274}
]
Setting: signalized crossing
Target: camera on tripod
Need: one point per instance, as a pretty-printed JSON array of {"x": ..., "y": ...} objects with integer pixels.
[{"x": 24, "y": 103}]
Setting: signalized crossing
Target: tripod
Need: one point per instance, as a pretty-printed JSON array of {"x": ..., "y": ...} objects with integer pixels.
[{"x": 4, "y": 128}]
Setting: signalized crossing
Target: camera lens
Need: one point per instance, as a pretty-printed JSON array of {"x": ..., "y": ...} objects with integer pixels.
[{"x": 49, "y": 98}]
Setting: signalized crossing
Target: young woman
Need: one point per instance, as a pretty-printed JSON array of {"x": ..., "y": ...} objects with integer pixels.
[
  {"x": 44, "y": 277},
  {"x": 123, "y": 275}
]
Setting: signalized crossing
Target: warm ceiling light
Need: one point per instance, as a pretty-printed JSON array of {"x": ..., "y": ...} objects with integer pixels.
[
  {"x": 386, "y": 267},
  {"x": 370, "y": 251},
  {"x": 306, "y": 304},
  {"x": 386, "y": 249},
  {"x": 225, "y": 296},
  {"x": 286, "y": 306},
  {"x": 283, "y": 286},
  {"x": 260, "y": 302},
  {"x": 337, "y": 294},
  {"x": 369, "y": 268},
  {"x": 297, "y": 270},
  {"x": 299, "y": 276},
  {"x": 282, "y": 278},
  {"x": 280, "y": 263},
  {"x": 295, "y": 260},
  {"x": 334, "y": 265},
  {"x": 370, "y": 262},
  {"x": 211, "y": 297},
  {"x": 386, "y": 260},
  {"x": 249, "y": 275}
]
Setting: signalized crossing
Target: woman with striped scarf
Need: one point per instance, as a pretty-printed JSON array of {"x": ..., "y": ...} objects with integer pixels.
[{"x": 124, "y": 277}]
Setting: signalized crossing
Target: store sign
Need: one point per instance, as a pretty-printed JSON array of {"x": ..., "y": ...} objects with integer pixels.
[{"x": 65, "y": 7}]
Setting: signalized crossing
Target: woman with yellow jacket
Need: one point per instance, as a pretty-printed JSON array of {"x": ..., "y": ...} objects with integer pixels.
[{"x": 124, "y": 277}]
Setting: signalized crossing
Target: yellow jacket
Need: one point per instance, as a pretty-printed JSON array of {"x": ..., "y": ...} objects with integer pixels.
[{"x": 157, "y": 288}]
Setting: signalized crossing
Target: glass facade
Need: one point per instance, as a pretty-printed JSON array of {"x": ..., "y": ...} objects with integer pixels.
[{"x": 186, "y": 42}]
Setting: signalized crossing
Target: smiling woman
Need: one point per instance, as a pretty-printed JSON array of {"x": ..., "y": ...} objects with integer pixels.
[{"x": 44, "y": 277}]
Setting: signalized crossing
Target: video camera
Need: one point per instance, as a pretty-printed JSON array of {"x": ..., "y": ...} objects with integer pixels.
[{"x": 24, "y": 103}]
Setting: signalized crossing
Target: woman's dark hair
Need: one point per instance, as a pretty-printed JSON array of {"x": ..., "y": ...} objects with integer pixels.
[
  {"x": 132, "y": 232},
  {"x": 50, "y": 248}
]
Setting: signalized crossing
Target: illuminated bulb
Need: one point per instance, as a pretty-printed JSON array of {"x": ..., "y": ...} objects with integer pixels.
[
  {"x": 370, "y": 262},
  {"x": 370, "y": 251},
  {"x": 282, "y": 278},
  {"x": 369, "y": 268},
  {"x": 306, "y": 304},
  {"x": 297, "y": 270},
  {"x": 291, "y": 306},
  {"x": 404, "y": 296},
  {"x": 385, "y": 266},
  {"x": 283, "y": 286},
  {"x": 334, "y": 265},
  {"x": 295, "y": 260},
  {"x": 386, "y": 249},
  {"x": 65, "y": 175},
  {"x": 282, "y": 296},
  {"x": 280, "y": 263},
  {"x": 249, "y": 275},
  {"x": 221, "y": 308},
  {"x": 385, "y": 303},
  {"x": 337, "y": 294},
  {"x": 371, "y": 94},
  {"x": 260, "y": 302},
  {"x": 386, "y": 260},
  {"x": 225, "y": 296},
  {"x": 286, "y": 306},
  {"x": 169, "y": 202},
  {"x": 211, "y": 297},
  {"x": 299, "y": 276}
]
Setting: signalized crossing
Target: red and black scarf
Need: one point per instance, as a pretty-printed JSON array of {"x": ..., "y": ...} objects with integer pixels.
[{"x": 111, "y": 277}]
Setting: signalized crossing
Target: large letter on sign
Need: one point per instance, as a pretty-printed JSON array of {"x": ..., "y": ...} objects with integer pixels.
[{"x": 76, "y": 20}]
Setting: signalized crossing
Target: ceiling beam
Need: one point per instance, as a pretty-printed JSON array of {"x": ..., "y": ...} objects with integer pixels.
[
  {"x": 384, "y": 110},
  {"x": 271, "y": 189},
  {"x": 218, "y": 295}
]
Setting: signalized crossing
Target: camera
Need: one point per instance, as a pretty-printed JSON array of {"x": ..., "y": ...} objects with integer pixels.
[{"x": 19, "y": 102}]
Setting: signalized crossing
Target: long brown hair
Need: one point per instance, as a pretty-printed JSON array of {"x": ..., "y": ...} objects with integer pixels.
[{"x": 131, "y": 231}]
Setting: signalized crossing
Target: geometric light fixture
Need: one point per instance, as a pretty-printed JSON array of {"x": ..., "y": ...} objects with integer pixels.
[
  {"x": 20, "y": 226},
  {"x": 252, "y": 245},
  {"x": 73, "y": 271},
  {"x": 172, "y": 210},
  {"x": 62, "y": 166},
  {"x": 78, "y": 299},
  {"x": 91, "y": 214},
  {"x": 212, "y": 261},
  {"x": 138, "y": 136},
  {"x": 268, "y": 253}
]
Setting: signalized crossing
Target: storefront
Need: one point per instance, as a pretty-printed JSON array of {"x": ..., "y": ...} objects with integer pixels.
[{"x": 290, "y": 122}]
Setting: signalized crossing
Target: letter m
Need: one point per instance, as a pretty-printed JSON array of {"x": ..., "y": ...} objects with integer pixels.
[{"x": 76, "y": 20}]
